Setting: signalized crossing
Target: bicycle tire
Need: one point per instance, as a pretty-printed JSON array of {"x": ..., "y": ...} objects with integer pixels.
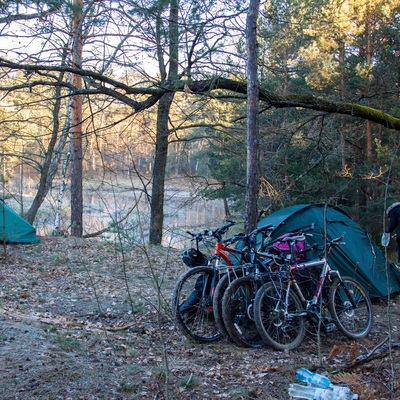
[
  {"x": 223, "y": 283},
  {"x": 219, "y": 292},
  {"x": 192, "y": 306},
  {"x": 281, "y": 329},
  {"x": 237, "y": 312},
  {"x": 354, "y": 322}
]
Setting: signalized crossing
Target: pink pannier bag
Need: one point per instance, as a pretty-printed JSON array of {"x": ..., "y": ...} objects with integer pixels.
[{"x": 284, "y": 246}]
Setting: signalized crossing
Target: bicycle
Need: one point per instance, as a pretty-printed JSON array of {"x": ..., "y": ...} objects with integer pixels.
[
  {"x": 192, "y": 298},
  {"x": 231, "y": 273},
  {"x": 282, "y": 307},
  {"x": 248, "y": 242},
  {"x": 238, "y": 298}
]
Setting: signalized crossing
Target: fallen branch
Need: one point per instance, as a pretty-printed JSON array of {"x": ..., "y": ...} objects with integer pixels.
[
  {"x": 119, "y": 328},
  {"x": 381, "y": 350},
  {"x": 62, "y": 322},
  {"x": 108, "y": 228}
]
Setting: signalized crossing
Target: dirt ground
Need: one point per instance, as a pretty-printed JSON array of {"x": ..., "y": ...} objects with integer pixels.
[{"x": 82, "y": 319}]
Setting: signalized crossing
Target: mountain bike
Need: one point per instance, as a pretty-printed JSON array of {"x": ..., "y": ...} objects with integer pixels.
[
  {"x": 248, "y": 243},
  {"x": 192, "y": 298},
  {"x": 226, "y": 277},
  {"x": 238, "y": 297},
  {"x": 283, "y": 305}
]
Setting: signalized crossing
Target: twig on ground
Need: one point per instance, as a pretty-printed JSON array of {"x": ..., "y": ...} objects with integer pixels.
[{"x": 381, "y": 350}]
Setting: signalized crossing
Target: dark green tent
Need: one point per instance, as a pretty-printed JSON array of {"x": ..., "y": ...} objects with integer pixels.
[
  {"x": 13, "y": 228},
  {"x": 359, "y": 257}
]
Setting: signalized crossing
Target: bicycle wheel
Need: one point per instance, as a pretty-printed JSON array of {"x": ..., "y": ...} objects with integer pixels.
[
  {"x": 351, "y": 308},
  {"x": 192, "y": 304},
  {"x": 217, "y": 304},
  {"x": 219, "y": 292},
  {"x": 281, "y": 322},
  {"x": 237, "y": 312}
]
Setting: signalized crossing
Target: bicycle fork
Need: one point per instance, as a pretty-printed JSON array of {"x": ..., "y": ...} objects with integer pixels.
[
  {"x": 348, "y": 294},
  {"x": 282, "y": 305}
]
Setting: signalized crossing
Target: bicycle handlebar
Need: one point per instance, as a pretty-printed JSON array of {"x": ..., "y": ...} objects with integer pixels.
[
  {"x": 260, "y": 230},
  {"x": 301, "y": 236},
  {"x": 328, "y": 246},
  {"x": 217, "y": 233},
  {"x": 235, "y": 238},
  {"x": 297, "y": 238}
]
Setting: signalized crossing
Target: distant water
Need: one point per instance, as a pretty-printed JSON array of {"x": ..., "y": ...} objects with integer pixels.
[{"x": 106, "y": 204}]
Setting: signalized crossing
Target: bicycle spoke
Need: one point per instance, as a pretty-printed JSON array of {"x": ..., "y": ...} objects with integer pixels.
[
  {"x": 351, "y": 308},
  {"x": 192, "y": 305},
  {"x": 238, "y": 312},
  {"x": 279, "y": 322}
]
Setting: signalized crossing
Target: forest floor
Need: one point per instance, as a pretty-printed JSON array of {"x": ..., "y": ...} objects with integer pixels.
[{"x": 80, "y": 319}]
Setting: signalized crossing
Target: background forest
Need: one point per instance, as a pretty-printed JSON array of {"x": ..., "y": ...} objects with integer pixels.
[
  {"x": 129, "y": 119},
  {"x": 120, "y": 104}
]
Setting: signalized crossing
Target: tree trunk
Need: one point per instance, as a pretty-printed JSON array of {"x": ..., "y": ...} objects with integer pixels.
[
  {"x": 253, "y": 140},
  {"x": 162, "y": 133},
  {"x": 76, "y": 126},
  {"x": 57, "y": 219},
  {"x": 368, "y": 61},
  {"x": 226, "y": 208},
  {"x": 343, "y": 130},
  {"x": 48, "y": 169},
  {"x": 159, "y": 170}
]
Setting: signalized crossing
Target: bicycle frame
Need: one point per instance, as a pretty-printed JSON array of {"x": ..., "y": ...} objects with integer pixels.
[
  {"x": 219, "y": 250},
  {"x": 287, "y": 302},
  {"x": 291, "y": 268},
  {"x": 326, "y": 272},
  {"x": 259, "y": 257}
]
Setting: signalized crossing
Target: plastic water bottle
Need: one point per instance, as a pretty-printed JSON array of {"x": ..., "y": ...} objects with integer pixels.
[
  {"x": 304, "y": 375},
  {"x": 342, "y": 393},
  {"x": 310, "y": 392},
  {"x": 334, "y": 392}
]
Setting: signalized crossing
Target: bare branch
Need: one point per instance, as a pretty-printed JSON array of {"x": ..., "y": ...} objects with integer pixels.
[{"x": 121, "y": 92}]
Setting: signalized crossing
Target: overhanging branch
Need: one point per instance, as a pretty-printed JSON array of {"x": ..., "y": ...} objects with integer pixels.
[
  {"x": 122, "y": 92},
  {"x": 302, "y": 101}
]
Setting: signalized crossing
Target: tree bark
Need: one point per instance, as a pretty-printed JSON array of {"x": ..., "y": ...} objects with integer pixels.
[
  {"x": 76, "y": 126},
  {"x": 253, "y": 140},
  {"x": 57, "y": 218},
  {"x": 159, "y": 170},
  {"x": 162, "y": 129}
]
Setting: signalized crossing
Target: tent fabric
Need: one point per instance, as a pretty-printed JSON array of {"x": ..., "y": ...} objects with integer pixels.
[
  {"x": 359, "y": 257},
  {"x": 13, "y": 228}
]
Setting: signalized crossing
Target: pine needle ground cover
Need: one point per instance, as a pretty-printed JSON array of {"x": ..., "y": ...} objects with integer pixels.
[{"x": 85, "y": 319}]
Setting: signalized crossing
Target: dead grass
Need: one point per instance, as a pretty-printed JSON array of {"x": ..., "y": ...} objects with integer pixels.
[{"x": 72, "y": 327}]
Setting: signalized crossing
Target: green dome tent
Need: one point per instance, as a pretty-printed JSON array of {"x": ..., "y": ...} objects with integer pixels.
[
  {"x": 359, "y": 257},
  {"x": 13, "y": 228}
]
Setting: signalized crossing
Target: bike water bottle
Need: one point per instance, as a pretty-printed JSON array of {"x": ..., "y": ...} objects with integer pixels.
[
  {"x": 304, "y": 375},
  {"x": 310, "y": 392}
]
